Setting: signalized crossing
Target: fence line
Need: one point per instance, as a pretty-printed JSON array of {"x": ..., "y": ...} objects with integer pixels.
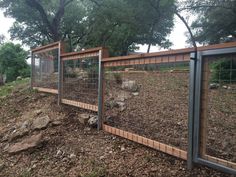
[{"x": 92, "y": 80}]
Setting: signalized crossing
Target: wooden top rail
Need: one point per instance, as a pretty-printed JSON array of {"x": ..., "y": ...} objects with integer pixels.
[
  {"x": 170, "y": 52},
  {"x": 46, "y": 48},
  {"x": 82, "y": 54}
]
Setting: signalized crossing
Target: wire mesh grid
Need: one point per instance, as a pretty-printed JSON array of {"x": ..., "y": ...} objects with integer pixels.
[
  {"x": 45, "y": 71},
  {"x": 150, "y": 100},
  {"x": 219, "y": 106},
  {"x": 80, "y": 80}
]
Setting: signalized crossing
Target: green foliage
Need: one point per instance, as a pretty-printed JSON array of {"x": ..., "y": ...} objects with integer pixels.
[
  {"x": 224, "y": 71},
  {"x": 13, "y": 61},
  {"x": 215, "y": 20},
  {"x": 9, "y": 87},
  {"x": 119, "y": 25}
]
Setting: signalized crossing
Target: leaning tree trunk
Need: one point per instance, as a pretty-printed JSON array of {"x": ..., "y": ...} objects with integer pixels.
[{"x": 1, "y": 80}]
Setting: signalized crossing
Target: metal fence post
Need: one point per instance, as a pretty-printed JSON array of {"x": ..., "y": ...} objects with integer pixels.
[
  {"x": 100, "y": 91},
  {"x": 59, "y": 75},
  {"x": 32, "y": 70},
  {"x": 192, "y": 81}
]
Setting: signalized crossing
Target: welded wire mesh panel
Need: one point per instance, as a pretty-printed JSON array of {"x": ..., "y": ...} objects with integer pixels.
[
  {"x": 218, "y": 112},
  {"x": 45, "y": 72},
  {"x": 150, "y": 100},
  {"x": 80, "y": 80}
]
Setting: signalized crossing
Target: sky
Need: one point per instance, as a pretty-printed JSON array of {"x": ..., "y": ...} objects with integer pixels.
[{"x": 177, "y": 37}]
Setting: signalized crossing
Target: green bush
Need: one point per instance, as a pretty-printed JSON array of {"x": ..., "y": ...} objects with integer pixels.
[{"x": 224, "y": 71}]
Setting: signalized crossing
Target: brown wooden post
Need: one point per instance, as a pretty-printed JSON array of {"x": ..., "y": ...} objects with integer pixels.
[{"x": 204, "y": 108}]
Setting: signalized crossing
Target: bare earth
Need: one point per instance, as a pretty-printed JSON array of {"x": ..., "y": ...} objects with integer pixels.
[{"x": 71, "y": 149}]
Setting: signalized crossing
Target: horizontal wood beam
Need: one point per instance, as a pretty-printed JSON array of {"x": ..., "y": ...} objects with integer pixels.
[
  {"x": 147, "y": 142},
  {"x": 220, "y": 161},
  {"x": 171, "y": 52},
  {"x": 151, "y": 60},
  {"x": 47, "y": 90},
  {"x": 80, "y": 105},
  {"x": 46, "y": 48}
]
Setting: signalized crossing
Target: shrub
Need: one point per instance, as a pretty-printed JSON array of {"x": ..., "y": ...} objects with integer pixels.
[{"x": 224, "y": 71}]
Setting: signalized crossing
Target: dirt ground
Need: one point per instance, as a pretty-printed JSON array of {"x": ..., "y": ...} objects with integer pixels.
[
  {"x": 160, "y": 111},
  {"x": 70, "y": 149}
]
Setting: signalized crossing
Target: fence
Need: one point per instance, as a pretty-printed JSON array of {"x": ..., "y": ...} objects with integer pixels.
[
  {"x": 173, "y": 101},
  {"x": 44, "y": 64}
]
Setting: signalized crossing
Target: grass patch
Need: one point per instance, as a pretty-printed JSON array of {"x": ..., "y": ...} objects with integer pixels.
[{"x": 8, "y": 88}]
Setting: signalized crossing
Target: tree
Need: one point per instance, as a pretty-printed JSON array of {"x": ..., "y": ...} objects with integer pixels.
[
  {"x": 2, "y": 38},
  {"x": 41, "y": 22},
  {"x": 119, "y": 25},
  {"x": 122, "y": 24},
  {"x": 215, "y": 22},
  {"x": 13, "y": 61}
]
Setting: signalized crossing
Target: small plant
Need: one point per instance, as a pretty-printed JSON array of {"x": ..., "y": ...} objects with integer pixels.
[{"x": 118, "y": 78}]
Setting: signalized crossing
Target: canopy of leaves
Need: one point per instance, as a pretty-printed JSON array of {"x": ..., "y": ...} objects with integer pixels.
[
  {"x": 215, "y": 21},
  {"x": 13, "y": 61},
  {"x": 119, "y": 24}
]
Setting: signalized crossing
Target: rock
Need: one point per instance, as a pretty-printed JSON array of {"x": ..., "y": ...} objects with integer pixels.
[
  {"x": 129, "y": 85},
  {"x": 122, "y": 148},
  {"x": 18, "y": 134},
  {"x": 225, "y": 87},
  {"x": 83, "y": 118},
  {"x": 37, "y": 112},
  {"x": 214, "y": 86},
  {"x": 56, "y": 123},
  {"x": 111, "y": 104},
  {"x": 135, "y": 93},
  {"x": 26, "y": 144},
  {"x": 122, "y": 106},
  {"x": 122, "y": 96},
  {"x": 25, "y": 125},
  {"x": 40, "y": 123},
  {"x": 72, "y": 156},
  {"x": 59, "y": 153},
  {"x": 102, "y": 157},
  {"x": 93, "y": 121},
  {"x": 19, "y": 78}
]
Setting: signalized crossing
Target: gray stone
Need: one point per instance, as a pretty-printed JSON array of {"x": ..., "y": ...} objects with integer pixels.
[
  {"x": 56, "y": 123},
  {"x": 214, "y": 86},
  {"x": 123, "y": 95},
  {"x": 129, "y": 85},
  {"x": 135, "y": 93},
  {"x": 83, "y": 118},
  {"x": 122, "y": 105},
  {"x": 26, "y": 144},
  {"x": 111, "y": 104},
  {"x": 93, "y": 121},
  {"x": 225, "y": 87},
  {"x": 18, "y": 134},
  {"x": 40, "y": 123}
]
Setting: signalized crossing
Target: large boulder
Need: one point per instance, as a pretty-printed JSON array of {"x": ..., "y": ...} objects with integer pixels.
[
  {"x": 130, "y": 85},
  {"x": 26, "y": 144}
]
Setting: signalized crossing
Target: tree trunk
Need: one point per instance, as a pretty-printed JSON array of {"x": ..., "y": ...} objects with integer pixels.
[{"x": 1, "y": 80}]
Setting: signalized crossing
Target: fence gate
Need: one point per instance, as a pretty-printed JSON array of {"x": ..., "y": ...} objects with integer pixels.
[{"x": 215, "y": 115}]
